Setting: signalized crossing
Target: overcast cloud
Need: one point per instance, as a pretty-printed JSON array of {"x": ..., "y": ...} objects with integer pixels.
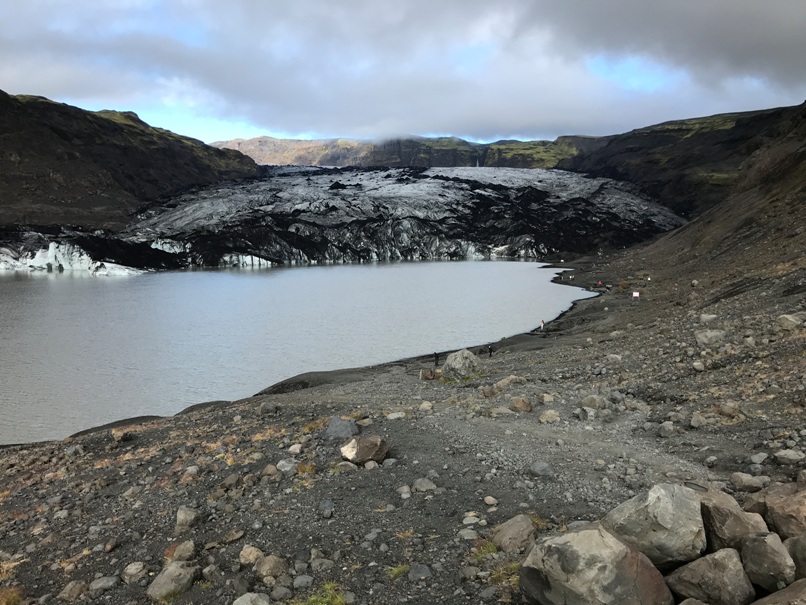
[{"x": 484, "y": 69}]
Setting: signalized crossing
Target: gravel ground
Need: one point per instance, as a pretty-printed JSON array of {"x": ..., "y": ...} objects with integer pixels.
[{"x": 623, "y": 396}]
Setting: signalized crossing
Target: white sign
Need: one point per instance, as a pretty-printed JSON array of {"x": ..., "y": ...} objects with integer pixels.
[{"x": 636, "y": 295}]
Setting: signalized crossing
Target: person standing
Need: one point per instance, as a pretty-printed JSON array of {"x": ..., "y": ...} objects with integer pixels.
[{"x": 542, "y": 325}]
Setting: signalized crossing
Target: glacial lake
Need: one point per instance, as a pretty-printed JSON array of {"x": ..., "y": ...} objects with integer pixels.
[{"x": 80, "y": 351}]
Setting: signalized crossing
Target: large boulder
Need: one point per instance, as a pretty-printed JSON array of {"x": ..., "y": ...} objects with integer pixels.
[
  {"x": 665, "y": 524},
  {"x": 794, "y": 594},
  {"x": 590, "y": 566},
  {"x": 796, "y": 547},
  {"x": 787, "y": 514},
  {"x": 718, "y": 579},
  {"x": 462, "y": 365},
  {"x": 726, "y": 524},
  {"x": 767, "y": 562},
  {"x": 360, "y": 450}
]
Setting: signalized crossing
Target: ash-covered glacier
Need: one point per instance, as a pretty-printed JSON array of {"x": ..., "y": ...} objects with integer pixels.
[
  {"x": 314, "y": 215},
  {"x": 299, "y": 215}
]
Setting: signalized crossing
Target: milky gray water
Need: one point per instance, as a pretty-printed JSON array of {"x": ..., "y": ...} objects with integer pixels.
[{"x": 77, "y": 351}]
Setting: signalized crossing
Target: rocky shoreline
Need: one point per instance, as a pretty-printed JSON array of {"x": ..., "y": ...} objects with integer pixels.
[{"x": 697, "y": 380}]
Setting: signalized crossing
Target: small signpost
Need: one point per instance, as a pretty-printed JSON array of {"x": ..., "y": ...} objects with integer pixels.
[{"x": 636, "y": 296}]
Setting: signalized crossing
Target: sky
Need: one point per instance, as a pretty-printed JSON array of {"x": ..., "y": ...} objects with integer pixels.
[{"x": 372, "y": 69}]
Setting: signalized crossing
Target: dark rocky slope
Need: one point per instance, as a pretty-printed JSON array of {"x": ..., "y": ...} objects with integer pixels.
[
  {"x": 689, "y": 165},
  {"x": 60, "y": 165}
]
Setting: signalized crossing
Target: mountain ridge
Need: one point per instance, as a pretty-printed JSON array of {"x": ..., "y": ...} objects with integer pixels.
[{"x": 61, "y": 165}]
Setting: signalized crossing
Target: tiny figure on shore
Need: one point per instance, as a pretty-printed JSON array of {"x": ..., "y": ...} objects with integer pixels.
[
  {"x": 542, "y": 325},
  {"x": 436, "y": 359},
  {"x": 489, "y": 351}
]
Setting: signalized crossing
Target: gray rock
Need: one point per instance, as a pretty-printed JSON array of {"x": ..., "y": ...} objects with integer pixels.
[
  {"x": 303, "y": 582},
  {"x": 73, "y": 591},
  {"x": 788, "y": 322},
  {"x": 360, "y": 450},
  {"x": 748, "y": 483},
  {"x": 281, "y": 593},
  {"x": 270, "y": 565},
  {"x": 796, "y": 547},
  {"x": 320, "y": 564},
  {"x": 717, "y": 579},
  {"x": 767, "y": 562},
  {"x": 341, "y": 428},
  {"x": 590, "y": 566},
  {"x": 706, "y": 318},
  {"x": 759, "y": 458},
  {"x": 418, "y": 571},
  {"x": 423, "y": 485},
  {"x": 709, "y": 337},
  {"x": 515, "y": 534},
  {"x": 175, "y": 578},
  {"x": 100, "y": 585},
  {"x": 788, "y": 456},
  {"x": 186, "y": 517},
  {"x": 268, "y": 408},
  {"x": 462, "y": 365},
  {"x": 593, "y": 401},
  {"x": 252, "y": 598},
  {"x": 665, "y": 524},
  {"x": 794, "y": 594},
  {"x": 185, "y": 551},
  {"x": 134, "y": 572},
  {"x": 726, "y": 524},
  {"x": 540, "y": 468},
  {"x": 787, "y": 514},
  {"x": 666, "y": 429}
]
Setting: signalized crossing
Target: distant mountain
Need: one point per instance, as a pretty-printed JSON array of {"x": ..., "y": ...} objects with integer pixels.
[
  {"x": 444, "y": 152},
  {"x": 61, "y": 165},
  {"x": 687, "y": 165}
]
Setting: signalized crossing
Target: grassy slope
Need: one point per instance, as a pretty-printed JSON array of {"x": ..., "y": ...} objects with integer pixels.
[{"x": 63, "y": 165}]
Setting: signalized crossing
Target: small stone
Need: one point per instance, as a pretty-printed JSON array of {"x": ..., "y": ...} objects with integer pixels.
[
  {"x": 341, "y": 428},
  {"x": 540, "y": 468},
  {"x": 490, "y": 501},
  {"x": 748, "y": 483},
  {"x": 666, "y": 429},
  {"x": 789, "y": 457},
  {"x": 396, "y": 416},
  {"x": 549, "y": 417},
  {"x": 423, "y": 485},
  {"x": 186, "y": 517},
  {"x": 73, "y": 591},
  {"x": 418, "y": 571},
  {"x": 249, "y": 554}
]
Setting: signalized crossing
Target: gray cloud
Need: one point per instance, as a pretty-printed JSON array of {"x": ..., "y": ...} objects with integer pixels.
[{"x": 528, "y": 68}]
